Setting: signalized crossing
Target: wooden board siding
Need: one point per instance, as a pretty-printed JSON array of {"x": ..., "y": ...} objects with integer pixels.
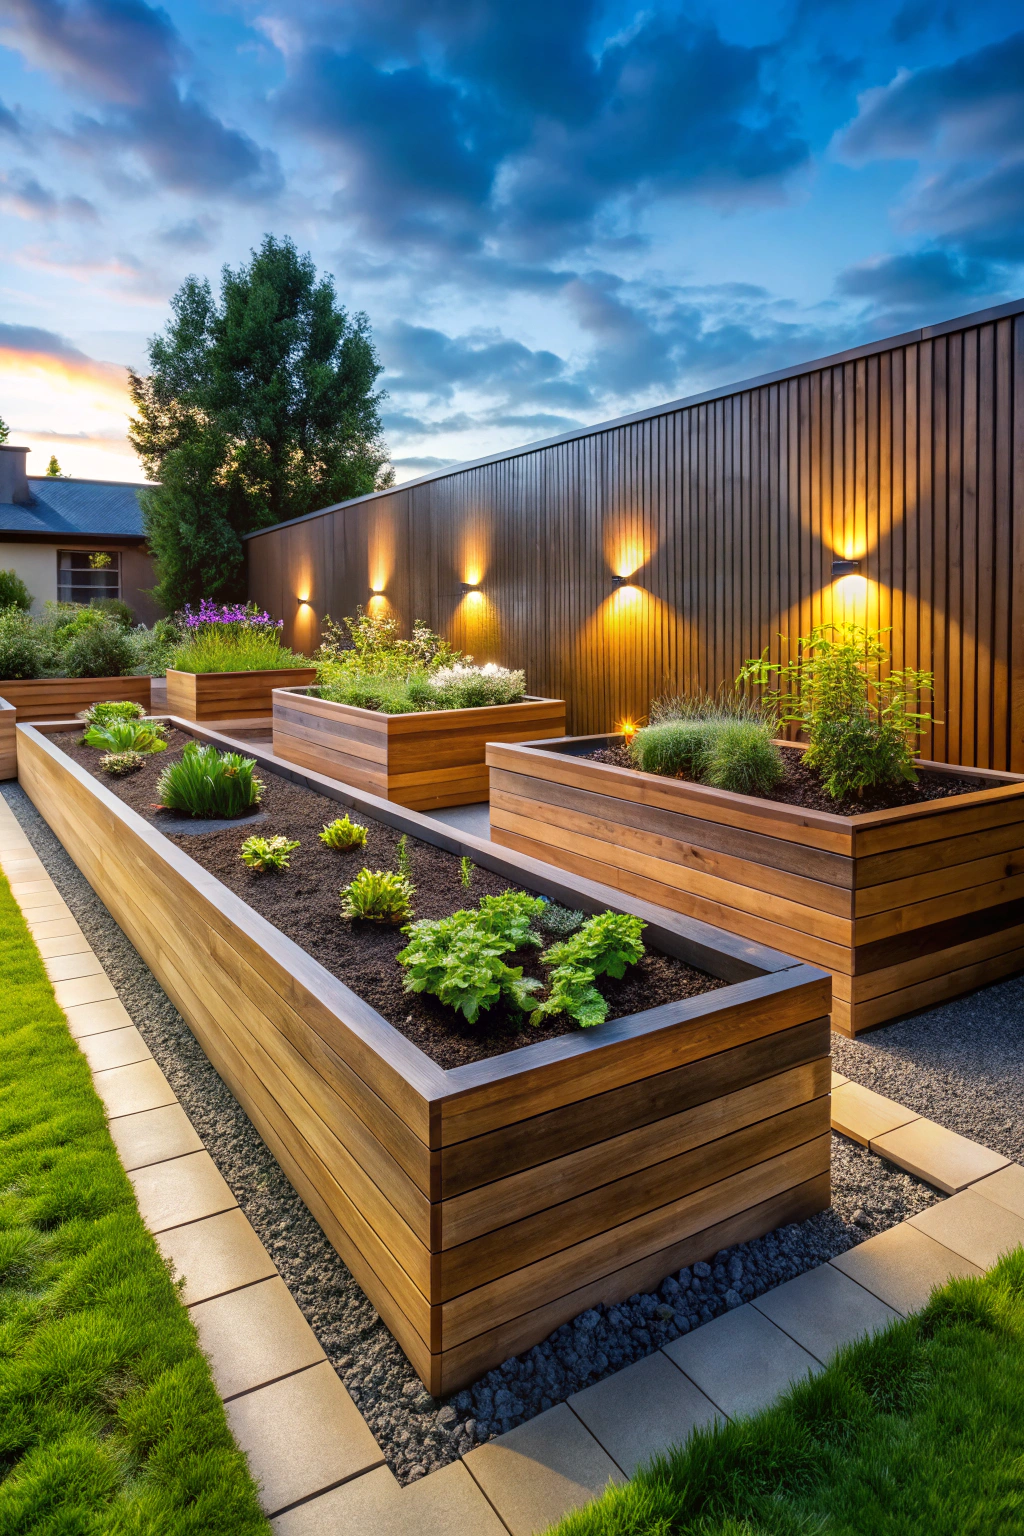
[
  {"x": 727, "y": 512},
  {"x": 61, "y": 698},
  {"x": 480, "y": 1207},
  {"x": 906, "y": 907},
  {"x": 426, "y": 760},
  {"x": 8, "y": 743},
  {"x": 229, "y": 695}
]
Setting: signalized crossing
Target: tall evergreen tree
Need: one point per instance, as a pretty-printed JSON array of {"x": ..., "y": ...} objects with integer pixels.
[
  {"x": 5, "y": 430},
  {"x": 258, "y": 407}
]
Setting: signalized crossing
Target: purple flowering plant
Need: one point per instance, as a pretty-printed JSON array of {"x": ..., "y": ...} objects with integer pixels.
[{"x": 244, "y": 615}]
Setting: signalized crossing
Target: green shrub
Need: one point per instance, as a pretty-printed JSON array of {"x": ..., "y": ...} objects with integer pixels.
[
  {"x": 343, "y": 833},
  {"x": 120, "y": 735},
  {"x": 743, "y": 758},
  {"x": 13, "y": 592},
  {"x": 673, "y": 747},
  {"x": 604, "y": 946},
  {"x": 120, "y": 763},
  {"x": 21, "y": 655},
  {"x": 115, "y": 609},
  {"x": 458, "y": 959},
  {"x": 205, "y": 782},
  {"x": 558, "y": 922},
  {"x": 112, "y": 709},
  {"x": 370, "y": 690},
  {"x": 460, "y": 686},
  {"x": 233, "y": 648},
  {"x": 377, "y": 896},
  {"x": 101, "y": 649},
  {"x": 267, "y": 853},
  {"x": 862, "y": 716},
  {"x": 452, "y": 687},
  {"x": 371, "y": 645}
]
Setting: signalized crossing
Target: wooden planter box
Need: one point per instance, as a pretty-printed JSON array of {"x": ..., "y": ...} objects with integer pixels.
[
  {"x": 905, "y": 907},
  {"x": 8, "y": 743},
  {"x": 228, "y": 695},
  {"x": 61, "y": 698},
  {"x": 480, "y": 1207},
  {"x": 423, "y": 761}
]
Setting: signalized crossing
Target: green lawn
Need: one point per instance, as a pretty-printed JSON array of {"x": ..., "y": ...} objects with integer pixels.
[
  {"x": 918, "y": 1432},
  {"x": 109, "y": 1421}
]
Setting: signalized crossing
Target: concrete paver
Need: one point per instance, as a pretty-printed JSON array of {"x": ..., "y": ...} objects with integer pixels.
[
  {"x": 741, "y": 1361},
  {"x": 302, "y": 1436},
  {"x": 39, "y": 919},
  {"x": 862, "y": 1114},
  {"x": 68, "y": 967},
  {"x": 215, "y": 1255},
  {"x": 154, "y": 1136},
  {"x": 253, "y": 1336},
  {"x": 542, "y": 1469},
  {"x": 84, "y": 989},
  {"x": 1005, "y": 1188},
  {"x": 182, "y": 1190},
  {"x": 60, "y": 922},
  {"x": 94, "y": 1018},
  {"x": 643, "y": 1410},
  {"x": 114, "y": 1048},
  {"x": 977, "y": 1228},
  {"x": 63, "y": 944},
  {"x": 447, "y": 1503},
  {"x": 43, "y": 894},
  {"x": 902, "y": 1266},
  {"x": 938, "y": 1156},
  {"x": 824, "y": 1309},
  {"x": 127, "y": 1090}
]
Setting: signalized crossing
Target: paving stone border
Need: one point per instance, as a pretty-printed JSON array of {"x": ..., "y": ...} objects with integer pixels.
[{"x": 320, "y": 1470}]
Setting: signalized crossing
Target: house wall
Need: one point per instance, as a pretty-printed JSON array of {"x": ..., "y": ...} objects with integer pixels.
[
  {"x": 36, "y": 564},
  {"x": 725, "y": 513}
]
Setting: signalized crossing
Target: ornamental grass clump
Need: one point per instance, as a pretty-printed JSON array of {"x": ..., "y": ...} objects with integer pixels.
[
  {"x": 267, "y": 854},
  {"x": 460, "y": 959},
  {"x": 862, "y": 716},
  {"x": 234, "y": 650},
  {"x": 205, "y": 782},
  {"x": 604, "y": 946},
  {"x": 725, "y": 742},
  {"x": 343, "y": 833},
  {"x": 119, "y": 734},
  {"x": 378, "y": 896}
]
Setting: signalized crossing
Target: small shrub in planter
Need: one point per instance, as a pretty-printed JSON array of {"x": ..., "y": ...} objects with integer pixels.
[
  {"x": 113, "y": 709},
  {"x": 378, "y": 896},
  {"x": 72, "y": 640},
  {"x": 726, "y": 743},
  {"x": 267, "y": 853},
  {"x": 205, "y": 782},
  {"x": 230, "y": 638},
  {"x": 343, "y": 833},
  {"x": 121, "y": 735},
  {"x": 121, "y": 763}
]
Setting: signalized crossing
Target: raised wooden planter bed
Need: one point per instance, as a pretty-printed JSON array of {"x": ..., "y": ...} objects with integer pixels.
[
  {"x": 423, "y": 761},
  {"x": 905, "y": 907},
  {"x": 61, "y": 698},
  {"x": 228, "y": 695},
  {"x": 480, "y": 1207},
  {"x": 8, "y": 743}
]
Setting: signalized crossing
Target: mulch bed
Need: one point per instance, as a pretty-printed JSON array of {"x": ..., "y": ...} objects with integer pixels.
[
  {"x": 802, "y": 786},
  {"x": 303, "y": 902}
]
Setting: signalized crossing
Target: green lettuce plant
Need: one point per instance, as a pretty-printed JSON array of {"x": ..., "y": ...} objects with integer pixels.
[
  {"x": 127, "y": 735},
  {"x": 266, "y": 854},
  {"x": 604, "y": 946},
  {"x": 205, "y": 782},
  {"x": 460, "y": 959},
  {"x": 378, "y": 896},
  {"x": 343, "y": 833}
]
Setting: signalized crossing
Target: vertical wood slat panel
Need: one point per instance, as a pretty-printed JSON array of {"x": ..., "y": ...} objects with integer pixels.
[{"x": 910, "y": 458}]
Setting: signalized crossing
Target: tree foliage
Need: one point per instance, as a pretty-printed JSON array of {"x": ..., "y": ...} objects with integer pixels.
[{"x": 259, "y": 406}]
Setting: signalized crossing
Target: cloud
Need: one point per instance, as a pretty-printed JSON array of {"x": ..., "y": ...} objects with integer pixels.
[
  {"x": 128, "y": 58},
  {"x": 917, "y": 278},
  {"x": 196, "y": 234},
  {"x": 422, "y": 466},
  {"x": 424, "y": 361},
  {"x": 10, "y": 122},
  {"x": 23, "y": 195}
]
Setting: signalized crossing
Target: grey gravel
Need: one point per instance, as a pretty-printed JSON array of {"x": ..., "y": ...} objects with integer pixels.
[
  {"x": 416, "y": 1432},
  {"x": 961, "y": 1064}
]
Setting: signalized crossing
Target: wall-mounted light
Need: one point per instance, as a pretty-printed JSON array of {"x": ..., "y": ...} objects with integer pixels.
[
  {"x": 845, "y": 568},
  {"x": 469, "y": 586},
  {"x": 621, "y": 581},
  {"x": 303, "y": 602}
]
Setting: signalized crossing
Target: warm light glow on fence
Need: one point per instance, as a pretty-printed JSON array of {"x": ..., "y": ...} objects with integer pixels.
[{"x": 627, "y": 728}]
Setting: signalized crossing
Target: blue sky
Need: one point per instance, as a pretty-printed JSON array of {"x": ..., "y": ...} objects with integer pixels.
[{"x": 553, "y": 213}]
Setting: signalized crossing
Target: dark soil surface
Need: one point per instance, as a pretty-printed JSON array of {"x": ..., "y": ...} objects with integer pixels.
[
  {"x": 303, "y": 902},
  {"x": 802, "y": 786}
]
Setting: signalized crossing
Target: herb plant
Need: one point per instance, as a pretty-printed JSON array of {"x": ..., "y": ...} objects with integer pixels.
[
  {"x": 466, "y": 871},
  {"x": 267, "y": 853},
  {"x": 558, "y": 922},
  {"x": 112, "y": 709},
  {"x": 343, "y": 833},
  {"x": 604, "y": 946},
  {"x": 377, "y": 896},
  {"x": 862, "y": 716},
  {"x": 127, "y": 735},
  {"x": 205, "y": 782},
  {"x": 404, "y": 861},
  {"x": 459, "y": 959},
  {"x": 743, "y": 758},
  {"x": 120, "y": 763}
]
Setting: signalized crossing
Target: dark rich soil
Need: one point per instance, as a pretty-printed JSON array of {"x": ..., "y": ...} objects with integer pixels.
[
  {"x": 303, "y": 902},
  {"x": 802, "y": 786}
]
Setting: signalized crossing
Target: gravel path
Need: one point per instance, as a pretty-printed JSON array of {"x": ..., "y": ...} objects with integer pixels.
[
  {"x": 961, "y": 1064},
  {"x": 416, "y": 1432}
]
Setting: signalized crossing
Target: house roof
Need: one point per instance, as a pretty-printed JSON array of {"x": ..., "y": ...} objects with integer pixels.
[{"x": 76, "y": 508}]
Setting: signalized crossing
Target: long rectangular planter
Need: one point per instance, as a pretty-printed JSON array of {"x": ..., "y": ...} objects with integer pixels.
[
  {"x": 8, "y": 742},
  {"x": 423, "y": 761},
  {"x": 228, "y": 695},
  {"x": 905, "y": 907},
  {"x": 480, "y": 1207},
  {"x": 61, "y": 698}
]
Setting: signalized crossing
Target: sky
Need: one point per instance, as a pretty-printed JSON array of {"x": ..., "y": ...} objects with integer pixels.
[{"x": 552, "y": 213}]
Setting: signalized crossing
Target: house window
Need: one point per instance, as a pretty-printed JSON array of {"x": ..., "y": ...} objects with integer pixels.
[{"x": 83, "y": 575}]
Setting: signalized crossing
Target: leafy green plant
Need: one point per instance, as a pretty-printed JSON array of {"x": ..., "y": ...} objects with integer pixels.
[
  {"x": 743, "y": 758},
  {"x": 403, "y": 860},
  {"x": 13, "y": 591},
  {"x": 267, "y": 853},
  {"x": 862, "y": 716},
  {"x": 115, "y": 609},
  {"x": 235, "y": 648},
  {"x": 370, "y": 644},
  {"x": 112, "y": 709},
  {"x": 101, "y": 649},
  {"x": 466, "y": 871},
  {"x": 726, "y": 742},
  {"x": 343, "y": 833},
  {"x": 120, "y": 735},
  {"x": 21, "y": 655},
  {"x": 459, "y": 959},
  {"x": 120, "y": 763},
  {"x": 205, "y": 782},
  {"x": 604, "y": 946},
  {"x": 377, "y": 896},
  {"x": 673, "y": 747},
  {"x": 558, "y": 922}
]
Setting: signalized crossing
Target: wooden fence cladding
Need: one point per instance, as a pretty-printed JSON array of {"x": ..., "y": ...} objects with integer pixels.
[
  {"x": 229, "y": 695},
  {"x": 481, "y": 1207},
  {"x": 61, "y": 698},
  {"x": 906, "y": 907},
  {"x": 8, "y": 742},
  {"x": 725, "y": 512},
  {"x": 425, "y": 760}
]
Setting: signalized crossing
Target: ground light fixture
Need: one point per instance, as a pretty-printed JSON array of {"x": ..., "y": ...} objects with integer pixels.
[{"x": 845, "y": 568}]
